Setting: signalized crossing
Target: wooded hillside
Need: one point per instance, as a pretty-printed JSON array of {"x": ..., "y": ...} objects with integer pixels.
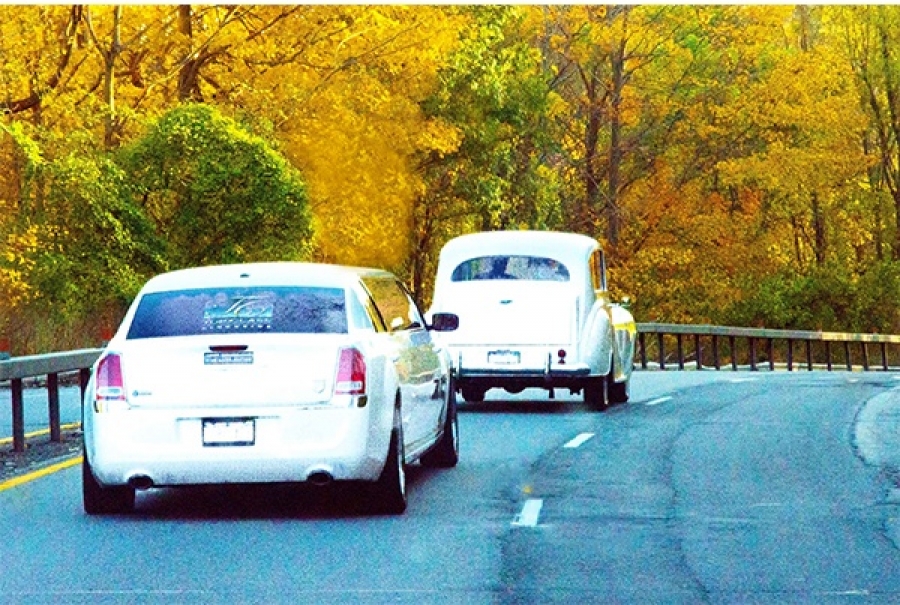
[{"x": 740, "y": 164}]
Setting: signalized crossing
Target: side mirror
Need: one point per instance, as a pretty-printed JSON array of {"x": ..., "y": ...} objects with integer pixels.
[{"x": 444, "y": 322}]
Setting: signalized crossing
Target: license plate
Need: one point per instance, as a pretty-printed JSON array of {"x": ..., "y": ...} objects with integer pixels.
[
  {"x": 229, "y": 431},
  {"x": 504, "y": 357},
  {"x": 236, "y": 358}
]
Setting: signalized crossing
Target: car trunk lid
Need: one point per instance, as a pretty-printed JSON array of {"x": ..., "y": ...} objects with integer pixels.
[
  {"x": 514, "y": 313},
  {"x": 230, "y": 370}
]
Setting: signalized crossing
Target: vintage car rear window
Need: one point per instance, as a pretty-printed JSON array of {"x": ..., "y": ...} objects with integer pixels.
[
  {"x": 537, "y": 268},
  {"x": 301, "y": 310}
]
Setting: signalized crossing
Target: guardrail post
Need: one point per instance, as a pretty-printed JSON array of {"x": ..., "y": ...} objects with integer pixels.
[
  {"x": 698, "y": 351},
  {"x": 809, "y": 359},
  {"x": 790, "y": 354},
  {"x": 679, "y": 338},
  {"x": 734, "y": 361},
  {"x": 884, "y": 359},
  {"x": 716, "y": 361},
  {"x": 771, "y": 350},
  {"x": 641, "y": 338},
  {"x": 847, "y": 355},
  {"x": 53, "y": 406},
  {"x": 84, "y": 375},
  {"x": 751, "y": 344},
  {"x": 828, "y": 354},
  {"x": 865, "y": 354},
  {"x": 662, "y": 351},
  {"x": 18, "y": 415}
]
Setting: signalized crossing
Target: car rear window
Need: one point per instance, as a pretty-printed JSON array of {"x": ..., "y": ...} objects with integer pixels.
[
  {"x": 536, "y": 268},
  {"x": 302, "y": 310}
]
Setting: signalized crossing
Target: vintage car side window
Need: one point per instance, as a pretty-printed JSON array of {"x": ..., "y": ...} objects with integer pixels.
[
  {"x": 598, "y": 270},
  {"x": 536, "y": 268},
  {"x": 394, "y": 304}
]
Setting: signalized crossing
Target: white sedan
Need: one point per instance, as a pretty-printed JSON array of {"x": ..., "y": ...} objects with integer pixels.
[
  {"x": 534, "y": 311},
  {"x": 268, "y": 372}
]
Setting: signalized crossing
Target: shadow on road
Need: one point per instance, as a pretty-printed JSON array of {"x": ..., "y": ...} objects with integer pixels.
[
  {"x": 262, "y": 501},
  {"x": 510, "y": 406}
]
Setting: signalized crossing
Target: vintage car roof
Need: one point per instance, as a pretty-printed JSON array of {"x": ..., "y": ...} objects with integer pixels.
[
  {"x": 264, "y": 273},
  {"x": 565, "y": 247}
]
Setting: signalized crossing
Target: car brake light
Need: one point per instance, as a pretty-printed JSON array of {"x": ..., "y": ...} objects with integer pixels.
[
  {"x": 110, "y": 384},
  {"x": 351, "y": 373}
]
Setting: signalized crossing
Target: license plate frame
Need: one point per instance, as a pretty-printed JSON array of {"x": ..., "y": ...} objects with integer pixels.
[
  {"x": 228, "y": 432},
  {"x": 504, "y": 357},
  {"x": 230, "y": 358}
]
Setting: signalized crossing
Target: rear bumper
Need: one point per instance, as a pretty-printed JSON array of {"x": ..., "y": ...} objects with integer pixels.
[
  {"x": 515, "y": 378},
  {"x": 290, "y": 444}
]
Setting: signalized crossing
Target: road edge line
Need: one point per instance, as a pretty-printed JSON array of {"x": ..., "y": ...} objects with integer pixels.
[
  {"x": 41, "y": 472},
  {"x": 62, "y": 427}
]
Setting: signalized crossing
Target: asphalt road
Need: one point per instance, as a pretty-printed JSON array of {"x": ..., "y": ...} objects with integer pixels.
[
  {"x": 706, "y": 488},
  {"x": 36, "y": 408}
]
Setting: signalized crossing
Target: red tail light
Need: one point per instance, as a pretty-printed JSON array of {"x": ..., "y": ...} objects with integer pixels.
[
  {"x": 351, "y": 373},
  {"x": 110, "y": 386}
]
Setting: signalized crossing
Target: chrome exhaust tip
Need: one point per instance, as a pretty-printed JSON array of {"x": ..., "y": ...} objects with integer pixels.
[
  {"x": 141, "y": 482},
  {"x": 320, "y": 478}
]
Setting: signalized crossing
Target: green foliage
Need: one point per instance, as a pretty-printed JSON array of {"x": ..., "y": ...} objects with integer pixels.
[
  {"x": 219, "y": 193},
  {"x": 101, "y": 250},
  {"x": 828, "y": 298}
]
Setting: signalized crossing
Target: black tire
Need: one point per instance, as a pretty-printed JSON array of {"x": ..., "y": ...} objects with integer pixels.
[
  {"x": 473, "y": 394},
  {"x": 445, "y": 453},
  {"x": 618, "y": 391},
  {"x": 389, "y": 492},
  {"x": 596, "y": 394},
  {"x": 100, "y": 500}
]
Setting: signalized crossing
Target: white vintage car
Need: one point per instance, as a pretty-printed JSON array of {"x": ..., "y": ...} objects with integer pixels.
[{"x": 534, "y": 311}]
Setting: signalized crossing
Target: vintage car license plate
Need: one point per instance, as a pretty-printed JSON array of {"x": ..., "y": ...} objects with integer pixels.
[
  {"x": 229, "y": 431},
  {"x": 504, "y": 357},
  {"x": 230, "y": 358}
]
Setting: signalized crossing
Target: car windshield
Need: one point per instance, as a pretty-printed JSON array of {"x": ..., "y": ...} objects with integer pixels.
[
  {"x": 536, "y": 268},
  {"x": 301, "y": 310}
]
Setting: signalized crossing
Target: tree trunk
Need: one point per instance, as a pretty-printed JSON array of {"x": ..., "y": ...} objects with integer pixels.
[
  {"x": 109, "y": 88},
  {"x": 616, "y": 153}
]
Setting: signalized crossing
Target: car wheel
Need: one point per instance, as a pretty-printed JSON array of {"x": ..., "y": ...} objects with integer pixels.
[
  {"x": 618, "y": 391},
  {"x": 473, "y": 394},
  {"x": 445, "y": 453},
  {"x": 389, "y": 492},
  {"x": 596, "y": 393},
  {"x": 99, "y": 500}
]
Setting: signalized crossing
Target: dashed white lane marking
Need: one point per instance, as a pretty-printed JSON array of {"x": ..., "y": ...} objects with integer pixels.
[
  {"x": 739, "y": 380},
  {"x": 579, "y": 440},
  {"x": 659, "y": 400},
  {"x": 531, "y": 510}
]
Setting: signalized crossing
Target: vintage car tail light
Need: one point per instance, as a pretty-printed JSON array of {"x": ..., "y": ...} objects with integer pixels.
[
  {"x": 110, "y": 385},
  {"x": 562, "y": 356},
  {"x": 351, "y": 373}
]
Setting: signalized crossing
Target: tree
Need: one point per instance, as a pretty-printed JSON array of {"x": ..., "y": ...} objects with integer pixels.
[
  {"x": 489, "y": 115},
  {"x": 217, "y": 192}
]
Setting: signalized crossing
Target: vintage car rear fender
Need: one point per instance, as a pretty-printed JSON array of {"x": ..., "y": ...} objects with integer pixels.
[
  {"x": 595, "y": 346},
  {"x": 625, "y": 331}
]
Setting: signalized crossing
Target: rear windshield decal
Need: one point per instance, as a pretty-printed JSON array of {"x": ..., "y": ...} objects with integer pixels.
[{"x": 283, "y": 309}]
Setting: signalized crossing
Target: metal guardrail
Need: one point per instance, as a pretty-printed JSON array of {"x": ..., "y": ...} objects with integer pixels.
[
  {"x": 734, "y": 345},
  {"x": 51, "y": 365}
]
